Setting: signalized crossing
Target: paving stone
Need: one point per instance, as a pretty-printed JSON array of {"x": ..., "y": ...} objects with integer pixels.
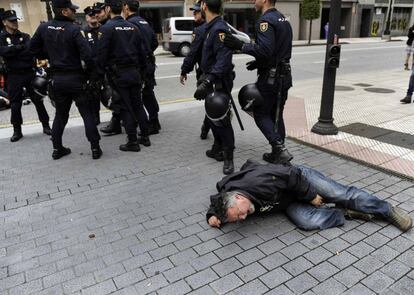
[
  {"x": 385, "y": 254},
  {"x": 361, "y": 249},
  {"x": 297, "y": 266},
  {"x": 157, "y": 267},
  {"x": 349, "y": 276},
  {"x": 251, "y": 272},
  {"x": 109, "y": 272},
  {"x": 206, "y": 290},
  {"x": 78, "y": 283},
  {"x": 201, "y": 278},
  {"x": 405, "y": 286},
  {"x": 179, "y": 272},
  {"x": 226, "y": 284},
  {"x": 180, "y": 287},
  {"x": 106, "y": 287},
  {"x": 40, "y": 272},
  {"x": 275, "y": 277},
  {"x": 368, "y": 264},
  {"x": 318, "y": 255},
  {"x": 188, "y": 242},
  {"x": 204, "y": 261},
  {"x": 294, "y": 250},
  {"x": 395, "y": 269},
  {"x": 250, "y": 256},
  {"x": 137, "y": 261},
  {"x": 280, "y": 290},
  {"x": 206, "y": 247},
  {"x": 271, "y": 246},
  {"x": 301, "y": 283},
  {"x": 229, "y": 238},
  {"x": 272, "y": 261},
  {"x": 377, "y": 281},
  {"x": 329, "y": 287},
  {"x": 313, "y": 241},
  {"x": 27, "y": 288},
  {"x": 250, "y": 242},
  {"x": 227, "y": 266},
  {"x": 150, "y": 285},
  {"x": 358, "y": 290},
  {"x": 228, "y": 251},
  {"x": 323, "y": 271},
  {"x": 291, "y": 237},
  {"x": 183, "y": 256},
  {"x": 254, "y": 287}
]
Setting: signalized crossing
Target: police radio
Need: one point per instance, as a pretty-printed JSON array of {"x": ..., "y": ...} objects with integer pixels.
[{"x": 334, "y": 52}]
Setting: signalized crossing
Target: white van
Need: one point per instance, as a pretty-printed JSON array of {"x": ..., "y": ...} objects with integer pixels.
[{"x": 177, "y": 35}]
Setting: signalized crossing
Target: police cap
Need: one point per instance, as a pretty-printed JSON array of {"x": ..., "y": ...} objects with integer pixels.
[
  {"x": 89, "y": 10},
  {"x": 9, "y": 15},
  {"x": 197, "y": 6},
  {"x": 113, "y": 3},
  {"x": 134, "y": 4},
  {"x": 98, "y": 6},
  {"x": 64, "y": 4}
]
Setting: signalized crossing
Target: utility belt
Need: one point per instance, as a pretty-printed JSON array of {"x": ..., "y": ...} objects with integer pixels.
[
  {"x": 271, "y": 75},
  {"x": 60, "y": 72},
  {"x": 118, "y": 69},
  {"x": 218, "y": 84}
]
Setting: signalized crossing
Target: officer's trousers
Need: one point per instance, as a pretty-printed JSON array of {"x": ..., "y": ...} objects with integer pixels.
[
  {"x": 67, "y": 88},
  {"x": 223, "y": 136},
  {"x": 15, "y": 84},
  {"x": 132, "y": 109},
  {"x": 149, "y": 99},
  {"x": 265, "y": 115}
]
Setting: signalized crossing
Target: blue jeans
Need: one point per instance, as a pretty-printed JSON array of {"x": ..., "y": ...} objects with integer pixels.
[
  {"x": 411, "y": 84},
  {"x": 308, "y": 217}
]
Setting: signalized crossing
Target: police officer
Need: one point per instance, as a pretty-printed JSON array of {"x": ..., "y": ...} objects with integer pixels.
[
  {"x": 91, "y": 33},
  {"x": 64, "y": 45},
  {"x": 194, "y": 56},
  {"x": 272, "y": 50},
  {"x": 20, "y": 64},
  {"x": 121, "y": 57},
  {"x": 130, "y": 11},
  {"x": 114, "y": 126},
  {"x": 217, "y": 68}
]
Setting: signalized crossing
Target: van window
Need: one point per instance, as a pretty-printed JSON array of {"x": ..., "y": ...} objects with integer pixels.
[{"x": 184, "y": 25}]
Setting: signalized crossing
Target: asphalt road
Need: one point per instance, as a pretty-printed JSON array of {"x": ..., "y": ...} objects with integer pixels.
[{"x": 307, "y": 63}]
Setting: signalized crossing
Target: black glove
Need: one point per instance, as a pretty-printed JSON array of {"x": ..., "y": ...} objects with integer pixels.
[
  {"x": 203, "y": 89},
  {"x": 232, "y": 42},
  {"x": 251, "y": 65}
]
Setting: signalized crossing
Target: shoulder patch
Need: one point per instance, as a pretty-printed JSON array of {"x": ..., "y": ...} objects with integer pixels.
[
  {"x": 83, "y": 33},
  {"x": 264, "y": 26},
  {"x": 222, "y": 36}
]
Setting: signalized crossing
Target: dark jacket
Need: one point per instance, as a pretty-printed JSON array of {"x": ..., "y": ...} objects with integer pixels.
[
  {"x": 410, "y": 36},
  {"x": 63, "y": 44},
  {"x": 14, "y": 48},
  {"x": 273, "y": 40},
  {"x": 271, "y": 187},
  {"x": 194, "y": 56}
]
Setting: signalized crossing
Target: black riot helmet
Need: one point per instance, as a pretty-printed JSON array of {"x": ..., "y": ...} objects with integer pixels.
[
  {"x": 39, "y": 85},
  {"x": 250, "y": 98},
  {"x": 217, "y": 105}
]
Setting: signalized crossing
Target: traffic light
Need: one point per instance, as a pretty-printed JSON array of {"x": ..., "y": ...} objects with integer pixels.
[{"x": 334, "y": 53}]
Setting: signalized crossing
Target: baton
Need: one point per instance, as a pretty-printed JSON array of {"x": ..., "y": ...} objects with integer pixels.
[{"x": 236, "y": 112}]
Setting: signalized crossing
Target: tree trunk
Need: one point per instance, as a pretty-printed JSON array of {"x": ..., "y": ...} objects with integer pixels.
[{"x": 310, "y": 32}]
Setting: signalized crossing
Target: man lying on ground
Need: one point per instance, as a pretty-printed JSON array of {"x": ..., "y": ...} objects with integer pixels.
[{"x": 299, "y": 192}]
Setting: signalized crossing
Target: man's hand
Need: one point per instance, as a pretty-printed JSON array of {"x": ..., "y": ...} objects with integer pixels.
[
  {"x": 251, "y": 65},
  {"x": 204, "y": 89},
  {"x": 214, "y": 221},
  {"x": 232, "y": 42},
  {"x": 183, "y": 78},
  {"x": 317, "y": 201}
]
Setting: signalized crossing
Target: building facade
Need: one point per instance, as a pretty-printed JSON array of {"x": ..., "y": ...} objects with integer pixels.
[{"x": 359, "y": 18}]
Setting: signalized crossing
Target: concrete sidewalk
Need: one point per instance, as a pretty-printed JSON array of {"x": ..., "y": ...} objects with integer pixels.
[
  {"x": 134, "y": 223},
  {"x": 372, "y": 100}
]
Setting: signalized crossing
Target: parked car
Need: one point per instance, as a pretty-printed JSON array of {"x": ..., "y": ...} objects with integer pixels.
[{"x": 177, "y": 35}]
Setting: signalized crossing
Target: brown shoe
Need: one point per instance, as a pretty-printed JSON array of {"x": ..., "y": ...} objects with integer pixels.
[{"x": 400, "y": 219}]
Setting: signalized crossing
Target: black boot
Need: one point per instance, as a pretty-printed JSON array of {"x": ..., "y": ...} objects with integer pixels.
[
  {"x": 131, "y": 146},
  {"x": 96, "y": 150},
  {"x": 216, "y": 152},
  {"x": 60, "y": 152},
  {"x": 46, "y": 129},
  {"x": 228, "y": 166},
  {"x": 204, "y": 131},
  {"x": 17, "y": 133},
  {"x": 154, "y": 127},
  {"x": 278, "y": 155},
  {"x": 406, "y": 99},
  {"x": 144, "y": 140},
  {"x": 113, "y": 128}
]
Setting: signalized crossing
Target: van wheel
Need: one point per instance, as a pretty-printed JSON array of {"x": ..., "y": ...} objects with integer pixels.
[
  {"x": 176, "y": 53},
  {"x": 184, "y": 49}
]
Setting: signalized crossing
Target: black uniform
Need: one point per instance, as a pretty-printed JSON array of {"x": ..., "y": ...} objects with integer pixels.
[
  {"x": 217, "y": 67},
  {"x": 120, "y": 56},
  {"x": 64, "y": 45},
  {"x": 272, "y": 50},
  {"x": 150, "y": 45},
  {"x": 20, "y": 64},
  {"x": 91, "y": 35}
]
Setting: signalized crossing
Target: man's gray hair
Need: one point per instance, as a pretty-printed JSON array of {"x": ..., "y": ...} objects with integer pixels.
[{"x": 229, "y": 200}]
